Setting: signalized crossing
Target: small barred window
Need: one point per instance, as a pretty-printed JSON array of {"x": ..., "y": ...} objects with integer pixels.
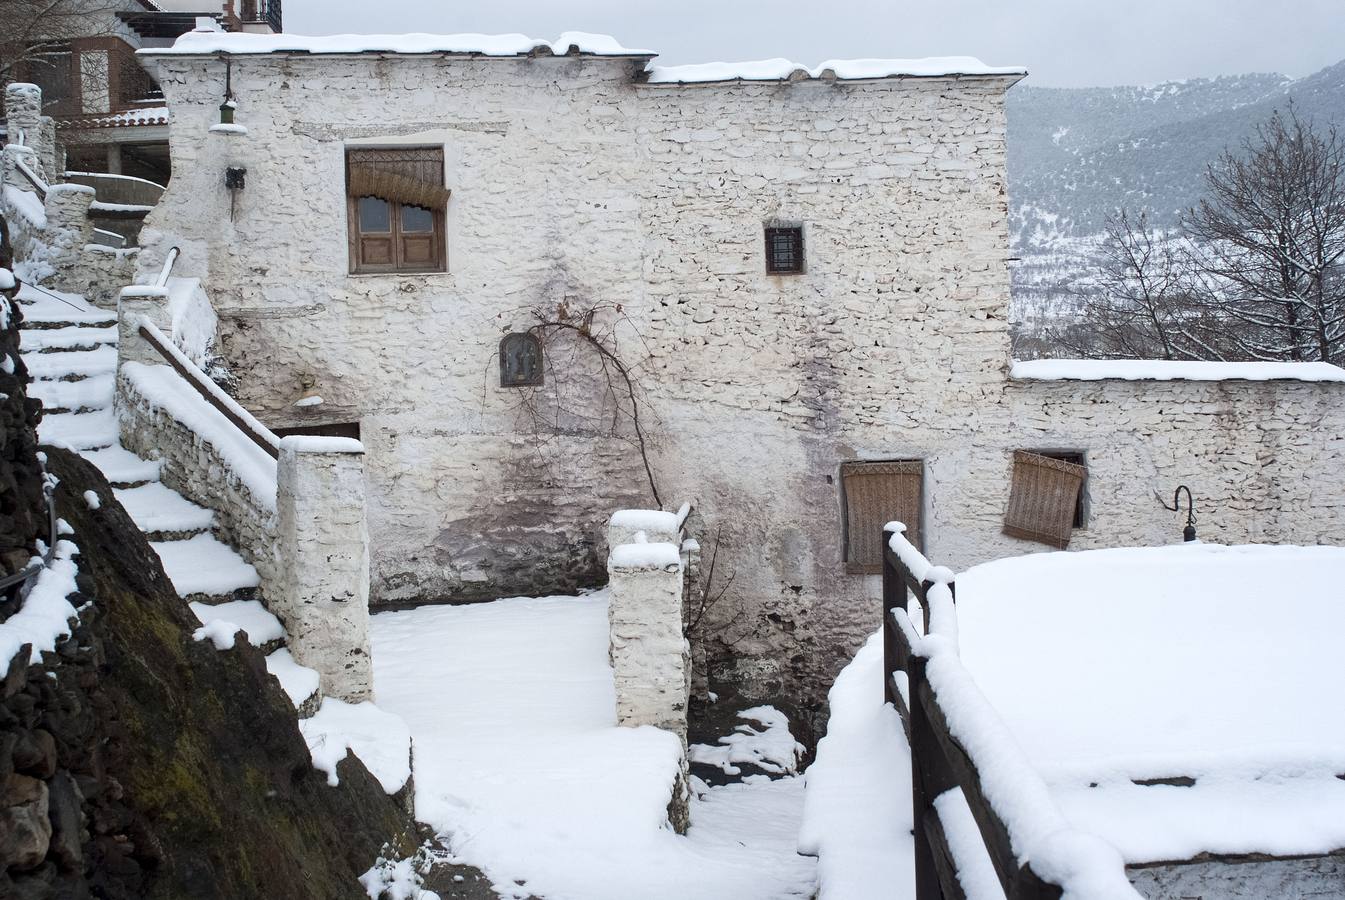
[{"x": 784, "y": 250}]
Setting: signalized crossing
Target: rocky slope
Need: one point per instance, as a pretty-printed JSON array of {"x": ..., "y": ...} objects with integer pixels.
[{"x": 136, "y": 762}]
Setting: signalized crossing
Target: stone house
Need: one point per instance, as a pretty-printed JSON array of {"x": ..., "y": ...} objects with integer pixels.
[{"x": 488, "y": 257}]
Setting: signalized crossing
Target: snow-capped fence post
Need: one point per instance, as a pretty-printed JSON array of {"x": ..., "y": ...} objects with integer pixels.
[
  {"x": 322, "y": 546},
  {"x": 68, "y": 225},
  {"x": 648, "y": 648},
  {"x": 13, "y": 155},
  {"x": 23, "y": 115},
  {"x": 138, "y": 303}
]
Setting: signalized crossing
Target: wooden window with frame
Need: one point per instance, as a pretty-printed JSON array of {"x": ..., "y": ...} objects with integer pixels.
[
  {"x": 873, "y": 494},
  {"x": 1046, "y": 496},
  {"x": 396, "y": 204}
]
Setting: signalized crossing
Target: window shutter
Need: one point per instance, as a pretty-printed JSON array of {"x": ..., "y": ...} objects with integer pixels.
[
  {"x": 414, "y": 176},
  {"x": 1042, "y": 498},
  {"x": 877, "y": 493}
]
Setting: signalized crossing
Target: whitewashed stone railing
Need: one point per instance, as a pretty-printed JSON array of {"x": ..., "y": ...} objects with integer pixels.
[{"x": 294, "y": 508}]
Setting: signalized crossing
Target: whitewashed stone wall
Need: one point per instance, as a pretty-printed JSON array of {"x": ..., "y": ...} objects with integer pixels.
[
  {"x": 1308, "y": 878},
  {"x": 571, "y": 183},
  {"x": 323, "y": 545}
]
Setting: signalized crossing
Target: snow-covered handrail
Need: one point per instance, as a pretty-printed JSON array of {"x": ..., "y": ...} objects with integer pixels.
[
  {"x": 38, "y": 183},
  {"x": 161, "y": 280},
  {"x": 239, "y": 417},
  {"x": 958, "y": 740}
]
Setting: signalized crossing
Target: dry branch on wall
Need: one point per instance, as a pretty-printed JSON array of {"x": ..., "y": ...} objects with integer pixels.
[{"x": 619, "y": 385}]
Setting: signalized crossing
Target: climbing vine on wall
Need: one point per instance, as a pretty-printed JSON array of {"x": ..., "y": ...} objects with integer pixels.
[{"x": 579, "y": 344}]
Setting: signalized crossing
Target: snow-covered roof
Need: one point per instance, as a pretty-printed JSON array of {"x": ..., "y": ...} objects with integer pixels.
[
  {"x": 576, "y": 43},
  {"x": 149, "y": 115},
  {"x": 1114, "y": 667},
  {"x": 1171, "y": 370},
  {"x": 572, "y": 43},
  {"x": 842, "y": 69}
]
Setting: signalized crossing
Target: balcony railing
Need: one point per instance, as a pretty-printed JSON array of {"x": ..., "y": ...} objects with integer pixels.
[{"x": 261, "y": 11}]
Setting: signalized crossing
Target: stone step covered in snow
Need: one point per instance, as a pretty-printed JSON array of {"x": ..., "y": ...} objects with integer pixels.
[
  {"x": 163, "y": 514},
  {"x": 123, "y": 468},
  {"x": 74, "y": 396},
  {"x": 54, "y": 310},
  {"x": 206, "y": 570},
  {"x": 72, "y": 364},
  {"x": 80, "y": 431},
  {"x": 262, "y": 629},
  {"x": 69, "y": 337}
]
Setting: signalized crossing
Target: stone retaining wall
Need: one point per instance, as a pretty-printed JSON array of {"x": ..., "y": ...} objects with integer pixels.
[{"x": 196, "y": 468}]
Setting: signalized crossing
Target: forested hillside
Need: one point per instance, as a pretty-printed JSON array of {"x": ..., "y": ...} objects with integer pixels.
[{"x": 1077, "y": 154}]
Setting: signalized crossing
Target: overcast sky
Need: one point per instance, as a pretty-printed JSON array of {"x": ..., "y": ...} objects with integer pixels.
[{"x": 1062, "y": 42}]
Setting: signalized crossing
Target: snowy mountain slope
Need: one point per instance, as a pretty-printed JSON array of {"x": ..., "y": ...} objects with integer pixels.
[{"x": 1077, "y": 154}]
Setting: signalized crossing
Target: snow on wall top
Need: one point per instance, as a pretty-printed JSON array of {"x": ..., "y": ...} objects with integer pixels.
[
  {"x": 1171, "y": 370},
  {"x": 843, "y": 69},
  {"x": 574, "y": 43}
]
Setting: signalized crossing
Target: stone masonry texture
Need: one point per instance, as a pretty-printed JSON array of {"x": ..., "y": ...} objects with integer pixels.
[{"x": 575, "y": 187}]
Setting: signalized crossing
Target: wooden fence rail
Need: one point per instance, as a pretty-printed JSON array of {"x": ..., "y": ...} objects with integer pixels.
[{"x": 939, "y": 762}]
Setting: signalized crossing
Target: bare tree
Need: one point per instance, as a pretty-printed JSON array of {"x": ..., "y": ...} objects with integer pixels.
[
  {"x": 1271, "y": 233},
  {"x": 35, "y": 30},
  {"x": 1139, "y": 304}
]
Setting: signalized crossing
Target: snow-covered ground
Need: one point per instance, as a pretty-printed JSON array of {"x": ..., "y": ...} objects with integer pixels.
[
  {"x": 857, "y": 813},
  {"x": 520, "y": 766}
]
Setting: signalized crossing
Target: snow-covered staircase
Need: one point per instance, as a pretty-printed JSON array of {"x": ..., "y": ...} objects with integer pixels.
[{"x": 70, "y": 349}]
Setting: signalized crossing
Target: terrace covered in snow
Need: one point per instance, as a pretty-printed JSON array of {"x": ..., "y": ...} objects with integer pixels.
[
  {"x": 1170, "y": 713},
  {"x": 1178, "y": 700}
]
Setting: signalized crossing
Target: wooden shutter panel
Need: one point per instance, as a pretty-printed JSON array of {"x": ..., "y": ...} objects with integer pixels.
[
  {"x": 418, "y": 250},
  {"x": 1042, "y": 498},
  {"x": 877, "y": 493}
]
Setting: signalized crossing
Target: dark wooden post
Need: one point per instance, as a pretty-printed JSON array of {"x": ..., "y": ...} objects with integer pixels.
[
  {"x": 930, "y": 777},
  {"x": 894, "y": 595}
]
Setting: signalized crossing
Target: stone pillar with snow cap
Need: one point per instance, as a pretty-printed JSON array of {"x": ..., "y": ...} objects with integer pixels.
[
  {"x": 323, "y": 550},
  {"x": 23, "y": 113},
  {"x": 68, "y": 225},
  {"x": 649, "y": 651},
  {"x": 650, "y": 656},
  {"x": 138, "y": 303}
]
